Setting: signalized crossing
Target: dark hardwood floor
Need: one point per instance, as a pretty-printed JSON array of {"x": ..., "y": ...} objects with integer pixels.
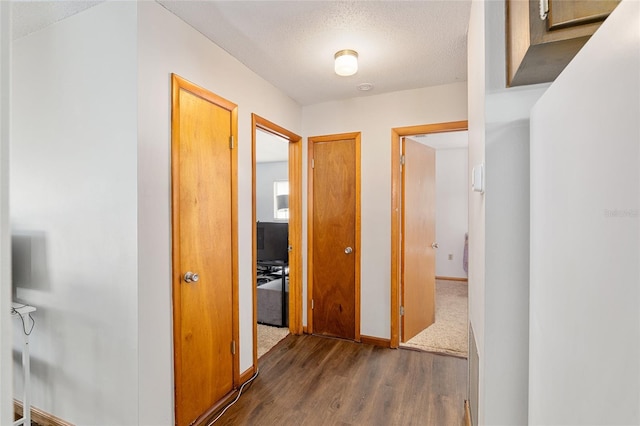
[{"x": 311, "y": 380}]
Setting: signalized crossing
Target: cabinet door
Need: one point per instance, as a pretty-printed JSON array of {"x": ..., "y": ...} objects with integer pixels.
[
  {"x": 571, "y": 13},
  {"x": 538, "y": 50}
]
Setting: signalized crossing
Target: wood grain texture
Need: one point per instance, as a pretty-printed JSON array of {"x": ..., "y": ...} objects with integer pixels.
[
  {"x": 375, "y": 341},
  {"x": 419, "y": 231},
  {"x": 204, "y": 228},
  {"x": 334, "y": 213},
  {"x": 396, "y": 232},
  {"x": 452, "y": 278},
  {"x": 295, "y": 234},
  {"x": 537, "y": 53},
  {"x": 571, "y": 13},
  {"x": 38, "y": 416},
  {"x": 312, "y": 380},
  {"x": 246, "y": 375},
  {"x": 467, "y": 414},
  {"x": 205, "y": 248},
  {"x": 396, "y": 134}
]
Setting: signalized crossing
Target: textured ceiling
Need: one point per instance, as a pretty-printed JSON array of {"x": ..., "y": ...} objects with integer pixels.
[
  {"x": 30, "y": 16},
  {"x": 401, "y": 44}
]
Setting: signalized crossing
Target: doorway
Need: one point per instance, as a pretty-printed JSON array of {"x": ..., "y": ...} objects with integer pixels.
[
  {"x": 277, "y": 234},
  {"x": 334, "y": 236},
  {"x": 410, "y": 254},
  {"x": 204, "y": 273}
]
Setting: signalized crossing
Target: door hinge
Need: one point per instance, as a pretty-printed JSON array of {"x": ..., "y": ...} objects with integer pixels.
[
  {"x": 401, "y": 310},
  {"x": 402, "y": 160},
  {"x": 231, "y": 142},
  {"x": 311, "y": 303},
  {"x": 233, "y": 347},
  {"x": 289, "y": 248},
  {"x": 313, "y": 163}
]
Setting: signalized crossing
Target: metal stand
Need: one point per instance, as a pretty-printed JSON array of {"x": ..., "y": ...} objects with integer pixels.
[
  {"x": 283, "y": 264},
  {"x": 22, "y": 312}
]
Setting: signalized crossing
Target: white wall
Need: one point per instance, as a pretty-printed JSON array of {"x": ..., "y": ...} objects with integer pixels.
[
  {"x": 374, "y": 116},
  {"x": 166, "y": 44},
  {"x": 585, "y": 241},
  {"x": 73, "y": 197},
  {"x": 6, "y": 366},
  {"x": 266, "y": 174},
  {"x": 499, "y": 221},
  {"x": 452, "y": 206},
  {"x": 476, "y": 107}
]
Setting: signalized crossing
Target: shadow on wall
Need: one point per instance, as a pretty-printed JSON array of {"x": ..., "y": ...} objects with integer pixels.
[
  {"x": 49, "y": 370},
  {"x": 29, "y": 266}
]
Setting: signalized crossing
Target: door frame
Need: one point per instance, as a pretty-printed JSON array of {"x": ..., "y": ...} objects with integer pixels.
[
  {"x": 178, "y": 83},
  {"x": 310, "y": 141},
  {"x": 396, "y": 210},
  {"x": 295, "y": 224}
]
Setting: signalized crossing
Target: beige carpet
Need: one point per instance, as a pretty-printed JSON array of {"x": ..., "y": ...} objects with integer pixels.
[
  {"x": 449, "y": 333},
  {"x": 268, "y": 337}
]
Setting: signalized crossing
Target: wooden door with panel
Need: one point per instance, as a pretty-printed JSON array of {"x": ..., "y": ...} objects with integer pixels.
[
  {"x": 335, "y": 234},
  {"x": 204, "y": 250},
  {"x": 418, "y": 272}
]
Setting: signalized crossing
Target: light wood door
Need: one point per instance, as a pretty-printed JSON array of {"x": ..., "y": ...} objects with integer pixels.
[
  {"x": 203, "y": 243},
  {"x": 571, "y": 13},
  {"x": 334, "y": 230},
  {"x": 418, "y": 229}
]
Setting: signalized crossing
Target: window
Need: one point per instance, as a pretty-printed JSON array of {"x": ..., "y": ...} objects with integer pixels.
[{"x": 281, "y": 199}]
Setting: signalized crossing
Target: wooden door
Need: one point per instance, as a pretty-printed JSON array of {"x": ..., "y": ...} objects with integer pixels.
[
  {"x": 204, "y": 243},
  {"x": 418, "y": 271},
  {"x": 334, "y": 229},
  {"x": 572, "y": 13}
]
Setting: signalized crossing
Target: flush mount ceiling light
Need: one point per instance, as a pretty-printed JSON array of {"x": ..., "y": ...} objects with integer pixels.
[{"x": 346, "y": 62}]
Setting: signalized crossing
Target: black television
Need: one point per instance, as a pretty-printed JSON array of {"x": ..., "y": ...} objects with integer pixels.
[{"x": 273, "y": 241}]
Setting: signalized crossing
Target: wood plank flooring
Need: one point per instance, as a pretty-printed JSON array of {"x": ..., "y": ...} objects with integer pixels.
[{"x": 312, "y": 380}]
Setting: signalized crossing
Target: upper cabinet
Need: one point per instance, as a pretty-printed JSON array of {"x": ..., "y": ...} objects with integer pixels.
[{"x": 544, "y": 35}]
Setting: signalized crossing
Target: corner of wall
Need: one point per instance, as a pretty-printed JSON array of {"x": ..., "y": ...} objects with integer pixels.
[{"x": 6, "y": 332}]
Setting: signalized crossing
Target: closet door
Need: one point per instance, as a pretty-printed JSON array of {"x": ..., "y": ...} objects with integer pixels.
[
  {"x": 204, "y": 250},
  {"x": 335, "y": 235}
]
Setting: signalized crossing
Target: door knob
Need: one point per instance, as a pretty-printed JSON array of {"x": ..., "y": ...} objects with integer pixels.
[
  {"x": 190, "y": 277},
  {"x": 348, "y": 250},
  {"x": 434, "y": 245}
]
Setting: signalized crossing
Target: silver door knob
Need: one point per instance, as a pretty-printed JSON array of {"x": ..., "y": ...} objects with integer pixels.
[
  {"x": 434, "y": 245},
  {"x": 348, "y": 250},
  {"x": 190, "y": 277}
]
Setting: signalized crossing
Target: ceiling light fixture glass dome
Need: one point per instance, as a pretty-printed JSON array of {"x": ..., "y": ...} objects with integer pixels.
[{"x": 346, "y": 62}]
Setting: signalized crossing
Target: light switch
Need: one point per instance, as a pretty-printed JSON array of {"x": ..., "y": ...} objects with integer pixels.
[{"x": 477, "y": 178}]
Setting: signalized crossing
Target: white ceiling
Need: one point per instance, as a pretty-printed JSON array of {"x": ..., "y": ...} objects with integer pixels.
[
  {"x": 401, "y": 44},
  {"x": 270, "y": 148},
  {"x": 30, "y": 16},
  {"x": 446, "y": 140}
]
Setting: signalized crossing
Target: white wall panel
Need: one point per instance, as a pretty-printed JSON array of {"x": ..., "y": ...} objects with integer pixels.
[
  {"x": 585, "y": 245},
  {"x": 74, "y": 215},
  {"x": 452, "y": 210}
]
